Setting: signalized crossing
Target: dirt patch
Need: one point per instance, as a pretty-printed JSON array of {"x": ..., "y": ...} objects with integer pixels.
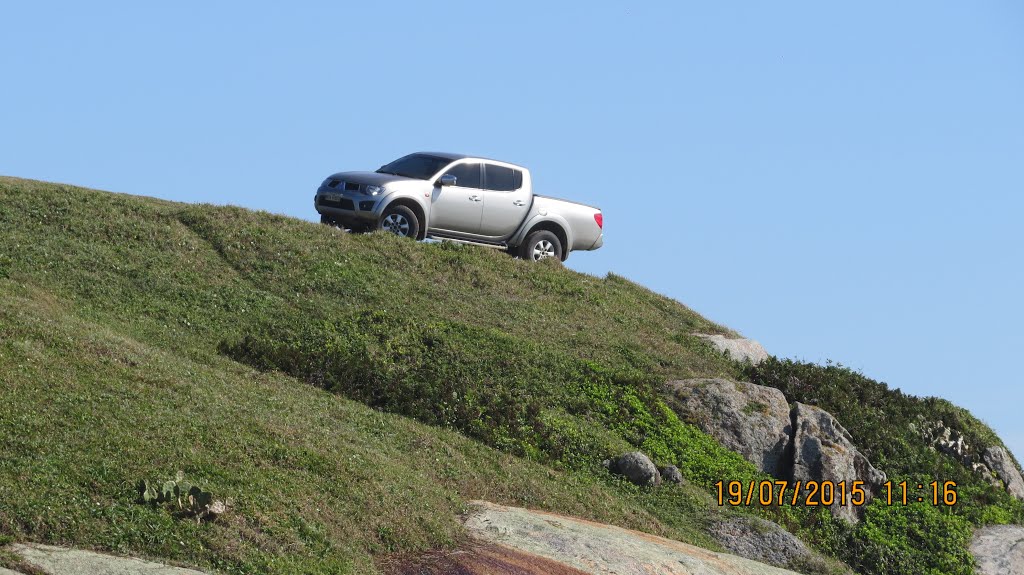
[{"x": 476, "y": 558}]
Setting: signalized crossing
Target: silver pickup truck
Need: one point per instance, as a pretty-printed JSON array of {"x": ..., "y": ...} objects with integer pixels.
[{"x": 461, "y": 198}]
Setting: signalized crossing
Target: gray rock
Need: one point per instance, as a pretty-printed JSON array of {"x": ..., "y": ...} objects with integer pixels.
[
  {"x": 4, "y": 571},
  {"x": 999, "y": 550},
  {"x": 988, "y": 475},
  {"x": 596, "y": 548},
  {"x": 752, "y": 420},
  {"x": 738, "y": 349},
  {"x": 994, "y": 464},
  {"x": 823, "y": 451},
  {"x": 946, "y": 440},
  {"x": 671, "y": 474},
  {"x": 999, "y": 461},
  {"x": 66, "y": 561},
  {"x": 767, "y": 542},
  {"x": 637, "y": 468}
]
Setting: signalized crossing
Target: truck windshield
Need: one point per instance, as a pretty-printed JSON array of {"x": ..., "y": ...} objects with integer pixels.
[{"x": 419, "y": 166}]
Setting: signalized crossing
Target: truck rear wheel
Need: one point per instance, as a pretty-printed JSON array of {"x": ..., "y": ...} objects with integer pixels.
[
  {"x": 400, "y": 221},
  {"x": 540, "y": 245}
]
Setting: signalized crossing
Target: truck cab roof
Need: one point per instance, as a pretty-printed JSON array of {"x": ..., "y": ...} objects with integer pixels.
[{"x": 453, "y": 157}]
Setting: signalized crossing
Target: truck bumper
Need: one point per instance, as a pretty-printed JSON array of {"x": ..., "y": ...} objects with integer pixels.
[{"x": 346, "y": 209}]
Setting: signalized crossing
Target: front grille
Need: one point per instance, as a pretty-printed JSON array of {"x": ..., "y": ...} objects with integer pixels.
[
  {"x": 351, "y": 187},
  {"x": 344, "y": 203}
]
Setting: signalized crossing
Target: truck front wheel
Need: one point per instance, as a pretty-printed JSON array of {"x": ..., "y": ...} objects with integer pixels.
[
  {"x": 400, "y": 221},
  {"x": 540, "y": 245}
]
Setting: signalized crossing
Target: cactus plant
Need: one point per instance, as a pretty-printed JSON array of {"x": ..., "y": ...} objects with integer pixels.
[{"x": 190, "y": 499}]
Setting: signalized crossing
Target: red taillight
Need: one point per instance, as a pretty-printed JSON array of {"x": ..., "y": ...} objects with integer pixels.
[{"x": 599, "y": 219}]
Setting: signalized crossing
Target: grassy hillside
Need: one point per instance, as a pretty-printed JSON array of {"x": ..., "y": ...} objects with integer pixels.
[
  {"x": 320, "y": 484},
  {"x": 115, "y": 311},
  {"x": 348, "y": 393}
]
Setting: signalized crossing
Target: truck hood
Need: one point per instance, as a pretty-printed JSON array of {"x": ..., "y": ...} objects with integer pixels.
[{"x": 372, "y": 178}]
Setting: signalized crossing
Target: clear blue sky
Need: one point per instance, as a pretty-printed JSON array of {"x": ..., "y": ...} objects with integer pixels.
[{"x": 837, "y": 181}]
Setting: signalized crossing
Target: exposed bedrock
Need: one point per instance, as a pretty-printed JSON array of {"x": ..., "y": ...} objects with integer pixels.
[
  {"x": 752, "y": 420},
  {"x": 802, "y": 442},
  {"x": 737, "y": 348},
  {"x": 823, "y": 451}
]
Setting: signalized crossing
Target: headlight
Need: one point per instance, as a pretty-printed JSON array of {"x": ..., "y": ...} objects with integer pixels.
[{"x": 374, "y": 190}]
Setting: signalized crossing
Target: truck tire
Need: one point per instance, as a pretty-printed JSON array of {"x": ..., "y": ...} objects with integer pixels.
[
  {"x": 540, "y": 245},
  {"x": 400, "y": 221}
]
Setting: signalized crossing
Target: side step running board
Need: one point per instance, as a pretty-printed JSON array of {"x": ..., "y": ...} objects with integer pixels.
[{"x": 501, "y": 246}]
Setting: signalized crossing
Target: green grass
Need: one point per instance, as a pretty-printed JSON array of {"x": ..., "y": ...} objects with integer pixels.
[
  {"x": 114, "y": 311},
  {"x": 348, "y": 392},
  {"x": 320, "y": 484}
]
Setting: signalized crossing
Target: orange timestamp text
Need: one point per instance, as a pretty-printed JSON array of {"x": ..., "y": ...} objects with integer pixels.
[{"x": 828, "y": 493}]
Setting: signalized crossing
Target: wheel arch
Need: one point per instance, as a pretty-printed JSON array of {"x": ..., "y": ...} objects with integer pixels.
[
  {"x": 555, "y": 228},
  {"x": 416, "y": 208}
]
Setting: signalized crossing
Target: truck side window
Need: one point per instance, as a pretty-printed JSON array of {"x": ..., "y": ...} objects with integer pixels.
[
  {"x": 466, "y": 175},
  {"x": 502, "y": 179}
]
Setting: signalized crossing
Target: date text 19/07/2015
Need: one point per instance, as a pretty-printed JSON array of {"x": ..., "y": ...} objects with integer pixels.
[{"x": 827, "y": 493}]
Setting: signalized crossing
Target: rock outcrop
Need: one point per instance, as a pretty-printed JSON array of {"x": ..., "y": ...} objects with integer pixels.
[
  {"x": 738, "y": 349},
  {"x": 823, "y": 451},
  {"x": 767, "y": 542},
  {"x": 993, "y": 463},
  {"x": 804, "y": 443},
  {"x": 999, "y": 461},
  {"x": 601, "y": 549},
  {"x": 752, "y": 420},
  {"x": 66, "y": 561},
  {"x": 999, "y": 550},
  {"x": 671, "y": 474},
  {"x": 636, "y": 467},
  {"x": 945, "y": 440}
]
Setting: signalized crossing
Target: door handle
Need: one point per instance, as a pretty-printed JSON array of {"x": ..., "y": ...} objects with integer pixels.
[
  {"x": 474, "y": 198},
  {"x": 519, "y": 203}
]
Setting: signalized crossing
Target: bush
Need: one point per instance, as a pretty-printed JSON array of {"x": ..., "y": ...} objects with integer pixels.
[
  {"x": 915, "y": 539},
  {"x": 918, "y": 538},
  {"x": 884, "y": 422},
  {"x": 507, "y": 392}
]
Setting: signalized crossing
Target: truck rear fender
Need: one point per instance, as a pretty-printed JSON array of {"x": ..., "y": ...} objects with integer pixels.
[{"x": 553, "y": 223}]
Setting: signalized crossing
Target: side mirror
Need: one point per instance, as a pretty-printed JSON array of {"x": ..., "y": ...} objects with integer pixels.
[{"x": 447, "y": 180}]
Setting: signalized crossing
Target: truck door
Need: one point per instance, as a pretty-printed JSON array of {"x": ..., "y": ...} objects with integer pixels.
[
  {"x": 506, "y": 201},
  {"x": 458, "y": 208}
]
